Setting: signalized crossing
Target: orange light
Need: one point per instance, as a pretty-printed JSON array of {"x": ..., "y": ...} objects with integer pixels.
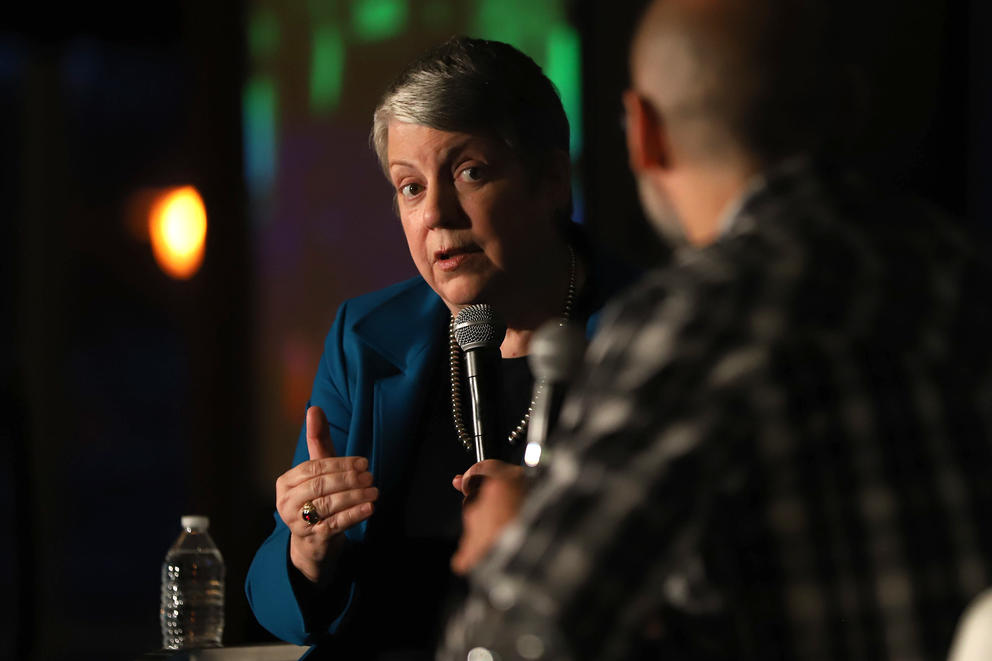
[{"x": 177, "y": 225}]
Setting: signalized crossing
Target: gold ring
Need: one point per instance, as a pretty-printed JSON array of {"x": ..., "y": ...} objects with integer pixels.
[{"x": 309, "y": 513}]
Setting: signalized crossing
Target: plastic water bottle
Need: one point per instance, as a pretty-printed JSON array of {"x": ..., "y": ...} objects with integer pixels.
[{"x": 192, "y": 608}]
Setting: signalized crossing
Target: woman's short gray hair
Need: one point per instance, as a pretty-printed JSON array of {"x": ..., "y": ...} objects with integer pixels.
[{"x": 477, "y": 86}]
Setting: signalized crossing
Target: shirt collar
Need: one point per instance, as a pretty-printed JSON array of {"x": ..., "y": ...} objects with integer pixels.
[{"x": 755, "y": 188}]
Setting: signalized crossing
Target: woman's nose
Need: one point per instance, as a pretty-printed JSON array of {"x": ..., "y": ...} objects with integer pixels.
[{"x": 441, "y": 206}]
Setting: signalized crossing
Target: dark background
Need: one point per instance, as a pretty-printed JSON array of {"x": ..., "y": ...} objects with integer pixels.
[{"x": 130, "y": 398}]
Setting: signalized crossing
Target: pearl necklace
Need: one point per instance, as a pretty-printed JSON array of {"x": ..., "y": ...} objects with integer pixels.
[{"x": 454, "y": 362}]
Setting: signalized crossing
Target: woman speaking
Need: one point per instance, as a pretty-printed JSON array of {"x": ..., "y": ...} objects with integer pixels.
[{"x": 473, "y": 138}]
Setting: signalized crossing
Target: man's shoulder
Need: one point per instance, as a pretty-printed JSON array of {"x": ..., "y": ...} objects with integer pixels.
[
  {"x": 825, "y": 262},
  {"x": 818, "y": 207},
  {"x": 672, "y": 312}
]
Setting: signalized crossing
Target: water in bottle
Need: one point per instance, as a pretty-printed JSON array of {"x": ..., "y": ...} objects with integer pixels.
[{"x": 192, "y": 606}]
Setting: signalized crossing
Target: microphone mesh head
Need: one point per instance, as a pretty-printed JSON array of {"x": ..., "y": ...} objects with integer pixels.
[{"x": 478, "y": 326}]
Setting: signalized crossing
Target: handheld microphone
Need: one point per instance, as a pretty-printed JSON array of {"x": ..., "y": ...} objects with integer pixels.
[
  {"x": 480, "y": 332},
  {"x": 555, "y": 358}
]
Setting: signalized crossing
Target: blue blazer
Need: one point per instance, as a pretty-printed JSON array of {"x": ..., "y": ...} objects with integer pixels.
[
  {"x": 377, "y": 356},
  {"x": 380, "y": 349}
]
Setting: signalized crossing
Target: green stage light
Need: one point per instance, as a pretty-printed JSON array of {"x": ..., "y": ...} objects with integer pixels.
[
  {"x": 259, "y": 116},
  {"x": 263, "y": 34},
  {"x": 564, "y": 68},
  {"x": 326, "y": 68},
  {"x": 374, "y": 20}
]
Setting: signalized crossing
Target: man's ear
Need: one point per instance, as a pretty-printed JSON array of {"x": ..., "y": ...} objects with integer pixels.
[{"x": 647, "y": 140}]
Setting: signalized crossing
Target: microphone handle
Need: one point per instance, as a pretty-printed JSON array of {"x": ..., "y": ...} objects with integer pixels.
[
  {"x": 547, "y": 408},
  {"x": 554, "y": 397},
  {"x": 482, "y": 370},
  {"x": 555, "y": 358}
]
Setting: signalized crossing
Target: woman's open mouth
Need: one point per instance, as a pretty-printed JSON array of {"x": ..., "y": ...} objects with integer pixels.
[{"x": 450, "y": 259}]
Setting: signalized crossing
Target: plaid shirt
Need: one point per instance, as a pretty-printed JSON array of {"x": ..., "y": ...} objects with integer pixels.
[{"x": 781, "y": 449}]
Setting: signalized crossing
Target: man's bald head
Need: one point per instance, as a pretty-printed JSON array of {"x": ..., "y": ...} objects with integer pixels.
[{"x": 739, "y": 78}]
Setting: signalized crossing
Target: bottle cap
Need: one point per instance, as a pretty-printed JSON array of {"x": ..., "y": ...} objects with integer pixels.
[{"x": 195, "y": 522}]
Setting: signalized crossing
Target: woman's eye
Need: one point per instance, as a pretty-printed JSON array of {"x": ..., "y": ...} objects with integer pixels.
[
  {"x": 410, "y": 190},
  {"x": 473, "y": 173}
]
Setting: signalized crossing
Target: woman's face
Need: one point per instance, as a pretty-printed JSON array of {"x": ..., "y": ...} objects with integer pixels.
[{"x": 475, "y": 223}]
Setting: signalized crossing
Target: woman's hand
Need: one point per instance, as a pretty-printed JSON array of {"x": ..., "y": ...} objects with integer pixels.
[
  {"x": 494, "y": 492},
  {"x": 472, "y": 479},
  {"x": 341, "y": 490}
]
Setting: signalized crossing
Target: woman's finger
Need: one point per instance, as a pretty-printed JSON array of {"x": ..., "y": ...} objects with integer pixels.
[
  {"x": 319, "y": 443},
  {"x": 290, "y": 502},
  {"x": 331, "y": 505},
  {"x": 346, "y": 518},
  {"x": 310, "y": 469},
  {"x": 328, "y": 484}
]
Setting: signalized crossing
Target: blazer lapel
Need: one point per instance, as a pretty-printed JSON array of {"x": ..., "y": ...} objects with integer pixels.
[{"x": 407, "y": 333}]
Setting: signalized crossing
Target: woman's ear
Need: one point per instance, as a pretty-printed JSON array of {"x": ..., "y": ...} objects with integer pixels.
[{"x": 647, "y": 140}]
